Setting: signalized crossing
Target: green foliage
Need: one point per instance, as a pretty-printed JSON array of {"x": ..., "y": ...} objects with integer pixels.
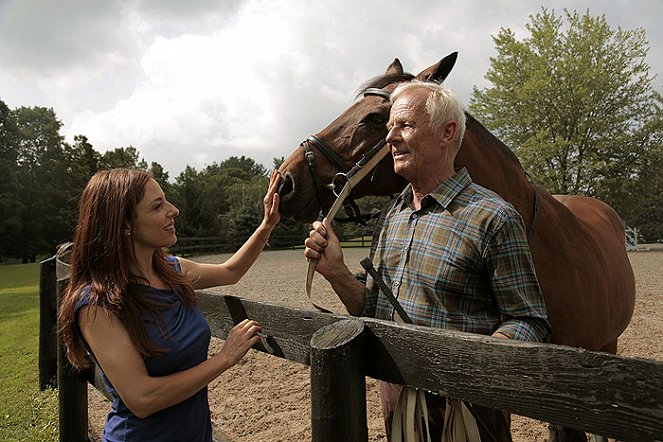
[
  {"x": 277, "y": 162},
  {"x": 25, "y": 412},
  {"x": 10, "y": 206},
  {"x": 122, "y": 157},
  {"x": 222, "y": 200},
  {"x": 647, "y": 198},
  {"x": 40, "y": 154},
  {"x": 42, "y": 177},
  {"x": 161, "y": 177},
  {"x": 575, "y": 102}
]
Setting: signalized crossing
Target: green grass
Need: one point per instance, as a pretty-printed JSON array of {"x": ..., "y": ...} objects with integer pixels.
[{"x": 26, "y": 413}]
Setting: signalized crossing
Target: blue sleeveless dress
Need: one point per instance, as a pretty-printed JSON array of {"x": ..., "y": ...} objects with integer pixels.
[{"x": 187, "y": 421}]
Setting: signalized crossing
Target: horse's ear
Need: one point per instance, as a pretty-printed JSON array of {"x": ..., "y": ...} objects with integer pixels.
[
  {"x": 395, "y": 68},
  {"x": 439, "y": 71}
]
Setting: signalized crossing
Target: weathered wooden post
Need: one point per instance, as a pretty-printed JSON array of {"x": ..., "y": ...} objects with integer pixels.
[
  {"x": 48, "y": 337},
  {"x": 72, "y": 385},
  {"x": 338, "y": 383}
]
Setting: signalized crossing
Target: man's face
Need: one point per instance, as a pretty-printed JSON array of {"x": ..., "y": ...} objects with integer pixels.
[{"x": 414, "y": 145}]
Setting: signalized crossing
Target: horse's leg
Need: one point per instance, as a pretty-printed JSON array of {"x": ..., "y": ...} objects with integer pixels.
[
  {"x": 610, "y": 348},
  {"x": 557, "y": 433}
]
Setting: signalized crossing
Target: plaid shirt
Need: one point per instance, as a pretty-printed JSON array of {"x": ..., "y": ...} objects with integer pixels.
[{"x": 461, "y": 262}]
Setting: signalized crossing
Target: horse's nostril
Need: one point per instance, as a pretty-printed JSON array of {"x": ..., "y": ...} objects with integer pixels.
[{"x": 287, "y": 185}]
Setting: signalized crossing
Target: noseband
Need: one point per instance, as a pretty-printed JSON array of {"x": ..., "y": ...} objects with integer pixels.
[{"x": 349, "y": 205}]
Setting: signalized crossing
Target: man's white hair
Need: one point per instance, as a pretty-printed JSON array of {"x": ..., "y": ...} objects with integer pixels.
[{"x": 442, "y": 105}]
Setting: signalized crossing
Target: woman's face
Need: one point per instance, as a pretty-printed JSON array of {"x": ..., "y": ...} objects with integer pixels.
[{"x": 154, "y": 225}]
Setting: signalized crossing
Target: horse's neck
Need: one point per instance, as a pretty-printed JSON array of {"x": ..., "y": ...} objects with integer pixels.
[{"x": 494, "y": 166}]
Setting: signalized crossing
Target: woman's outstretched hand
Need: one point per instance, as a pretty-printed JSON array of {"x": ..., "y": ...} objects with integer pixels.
[{"x": 271, "y": 200}]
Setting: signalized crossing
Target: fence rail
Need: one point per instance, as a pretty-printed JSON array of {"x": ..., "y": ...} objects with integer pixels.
[
  {"x": 615, "y": 396},
  {"x": 187, "y": 246}
]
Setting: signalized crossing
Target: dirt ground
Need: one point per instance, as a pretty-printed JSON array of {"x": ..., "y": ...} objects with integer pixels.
[{"x": 267, "y": 399}]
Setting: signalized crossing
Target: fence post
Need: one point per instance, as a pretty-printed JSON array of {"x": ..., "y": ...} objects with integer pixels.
[
  {"x": 338, "y": 383},
  {"x": 48, "y": 337},
  {"x": 72, "y": 385}
]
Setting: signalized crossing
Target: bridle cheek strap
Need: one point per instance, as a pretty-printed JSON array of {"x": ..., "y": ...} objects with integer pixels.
[{"x": 349, "y": 205}]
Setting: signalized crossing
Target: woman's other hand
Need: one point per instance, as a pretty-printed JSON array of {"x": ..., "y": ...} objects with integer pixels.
[{"x": 241, "y": 338}]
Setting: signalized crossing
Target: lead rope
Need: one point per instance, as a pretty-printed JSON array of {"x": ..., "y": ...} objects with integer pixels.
[{"x": 354, "y": 175}]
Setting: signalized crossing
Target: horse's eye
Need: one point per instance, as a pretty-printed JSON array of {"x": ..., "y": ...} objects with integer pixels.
[{"x": 374, "y": 118}]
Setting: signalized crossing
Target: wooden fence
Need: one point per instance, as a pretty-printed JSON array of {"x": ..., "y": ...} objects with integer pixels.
[
  {"x": 614, "y": 396},
  {"x": 631, "y": 236},
  {"x": 187, "y": 246}
]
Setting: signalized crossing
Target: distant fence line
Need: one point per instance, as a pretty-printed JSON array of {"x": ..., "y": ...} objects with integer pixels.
[{"x": 187, "y": 246}]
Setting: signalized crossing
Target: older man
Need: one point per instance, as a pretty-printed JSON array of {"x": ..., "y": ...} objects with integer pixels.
[{"x": 454, "y": 254}]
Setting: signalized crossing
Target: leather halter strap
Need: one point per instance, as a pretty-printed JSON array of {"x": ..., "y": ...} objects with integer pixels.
[
  {"x": 351, "y": 208},
  {"x": 328, "y": 152},
  {"x": 378, "y": 92}
]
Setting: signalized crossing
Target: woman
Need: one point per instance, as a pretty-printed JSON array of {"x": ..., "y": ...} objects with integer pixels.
[{"x": 133, "y": 308}]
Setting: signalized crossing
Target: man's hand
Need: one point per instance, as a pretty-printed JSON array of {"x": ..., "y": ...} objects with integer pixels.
[{"x": 323, "y": 244}]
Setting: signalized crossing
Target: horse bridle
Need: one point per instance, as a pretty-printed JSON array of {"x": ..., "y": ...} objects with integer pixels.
[{"x": 349, "y": 205}]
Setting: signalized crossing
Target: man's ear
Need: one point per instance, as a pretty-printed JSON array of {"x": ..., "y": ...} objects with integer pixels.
[{"x": 448, "y": 131}]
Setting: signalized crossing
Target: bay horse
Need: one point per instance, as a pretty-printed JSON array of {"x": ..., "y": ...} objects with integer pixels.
[{"x": 577, "y": 242}]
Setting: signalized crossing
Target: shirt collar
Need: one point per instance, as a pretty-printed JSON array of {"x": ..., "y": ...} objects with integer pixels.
[{"x": 445, "y": 192}]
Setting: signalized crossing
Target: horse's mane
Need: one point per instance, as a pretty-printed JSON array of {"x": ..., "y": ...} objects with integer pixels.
[
  {"x": 382, "y": 81},
  {"x": 490, "y": 139}
]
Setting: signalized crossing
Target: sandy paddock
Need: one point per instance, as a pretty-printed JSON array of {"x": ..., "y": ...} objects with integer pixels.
[{"x": 267, "y": 399}]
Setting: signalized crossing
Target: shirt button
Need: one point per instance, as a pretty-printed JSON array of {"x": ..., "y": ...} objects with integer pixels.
[{"x": 397, "y": 283}]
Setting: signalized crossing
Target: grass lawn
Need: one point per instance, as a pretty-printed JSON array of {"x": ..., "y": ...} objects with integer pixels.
[{"x": 26, "y": 414}]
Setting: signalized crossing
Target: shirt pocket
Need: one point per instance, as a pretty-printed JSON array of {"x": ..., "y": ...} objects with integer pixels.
[{"x": 445, "y": 262}]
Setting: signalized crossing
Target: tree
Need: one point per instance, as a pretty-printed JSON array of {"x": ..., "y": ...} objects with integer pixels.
[
  {"x": 200, "y": 197},
  {"x": 122, "y": 157},
  {"x": 80, "y": 162},
  {"x": 242, "y": 168},
  {"x": 84, "y": 161},
  {"x": 575, "y": 103},
  {"x": 11, "y": 205},
  {"x": 161, "y": 177},
  {"x": 277, "y": 161},
  {"x": 44, "y": 217},
  {"x": 648, "y": 218},
  {"x": 224, "y": 200}
]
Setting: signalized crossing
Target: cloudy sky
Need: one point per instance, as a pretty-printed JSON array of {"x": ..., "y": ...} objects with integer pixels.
[{"x": 194, "y": 82}]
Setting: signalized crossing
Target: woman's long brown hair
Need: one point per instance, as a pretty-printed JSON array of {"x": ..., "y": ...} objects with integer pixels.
[{"x": 100, "y": 264}]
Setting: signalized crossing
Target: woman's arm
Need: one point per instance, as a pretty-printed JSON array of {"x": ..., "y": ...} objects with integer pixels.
[
  {"x": 124, "y": 366},
  {"x": 230, "y": 272}
]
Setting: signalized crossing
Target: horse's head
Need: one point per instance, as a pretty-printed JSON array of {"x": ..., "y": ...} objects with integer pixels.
[{"x": 308, "y": 173}]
